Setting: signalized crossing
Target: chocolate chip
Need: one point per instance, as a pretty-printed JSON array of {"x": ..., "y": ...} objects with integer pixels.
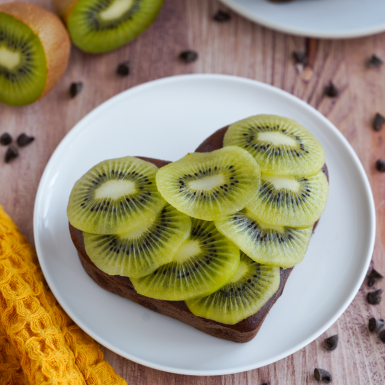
[
  {"x": 76, "y": 88},
  {"x": 124, "y": 68},
  {"x": 376, "y": 325},
  {"x": 380, "y": 165},
  {"x": 11, "y": 153},
  {"x": 331, "y": 90},
  {"x": 322, "y": 375},
  {"x": 374, "y": 297},
  {"x": 378, "y": 122},
  {"x": 5, "y": 139},
  {"x": 221, "y": 16},
  {"x": 188, "y": 56},
  {"x": 373, "y": 277},
  {"x": 331, "y": 343},
  {"x": 374, "y": 61},
  {"x": 300, "y": 57},
  {"x": 382, "y": 335},
  {"x": 23, "y": 140}
]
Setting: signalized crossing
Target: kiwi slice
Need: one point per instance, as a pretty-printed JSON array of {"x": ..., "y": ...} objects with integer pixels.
[
  {"x": 249, "y": 289},
  {"x": 294, "y": 201},
  {"x": 34, "y": 52},
  {"x": 142, "y": 250},
  {"x": 115, "y": 196},
  {"x": 280, "y": 145},
  {"x": 210, "y": 185},
  {"x": 272, "y": 245},
  {"x": 205, "y": 262},
  {"x": 103, "y": 25}
]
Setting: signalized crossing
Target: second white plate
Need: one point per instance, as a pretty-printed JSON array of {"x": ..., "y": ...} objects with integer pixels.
[
  {"x": 327, "y": 19},
  {"x": 166, "y": 119}
]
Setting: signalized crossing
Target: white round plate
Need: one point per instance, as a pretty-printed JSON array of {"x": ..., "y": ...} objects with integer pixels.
[
  {"x": 326, "y": 19},
  {"x": 165, "y": 119}
]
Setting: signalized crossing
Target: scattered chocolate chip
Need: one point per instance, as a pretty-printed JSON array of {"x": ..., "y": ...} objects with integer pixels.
[
  {"x": 300, "y": 57},
  {"x": 378, "y": 122},
  {"x": 266, "y": 383},
  {"x": 331, "y": 343},
  {"x": 11, "y": 153},
  {"x": 375, "y": 61},
  {"x": 374, "y": 276},
  {"x": 5, "y": 139},
  {"x": 331, "y": 90},
  {"x": 375, "y": 325},
  {"x": 222, "y": 16},
  {"x": 124, "y": 68},
  {"x": 382, "y": 335},
  {"x": 374, "y": 297},
  {"x": 322, "y": 375},
  {"x": 76, "y": 88},
  {"x": 23, "y": 140},
  {"x": 380, "y": 165},
  {"x": 188, "y": 56}
]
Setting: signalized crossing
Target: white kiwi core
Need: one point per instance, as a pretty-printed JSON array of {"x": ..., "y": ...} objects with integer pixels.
[
  {"x": 8, "y": 58},
  {"x": 283, "y": 183},
  {"x": 277, "y": 139},
  {"x": 207, "y": 183},
  {"x": 188, "y": 250},
  {"x": 115, "y": 189},
  {"x": 116, "y": 9},
  {"x": 242, "y": 270}
]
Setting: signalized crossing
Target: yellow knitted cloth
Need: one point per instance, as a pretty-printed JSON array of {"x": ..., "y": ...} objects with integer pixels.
[{"x": 39, "y": 343}]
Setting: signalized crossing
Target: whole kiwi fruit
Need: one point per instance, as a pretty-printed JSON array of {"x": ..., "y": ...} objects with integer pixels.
[
  {"x": 97, "y": 26},
  {"x": 34, "y": 52}
]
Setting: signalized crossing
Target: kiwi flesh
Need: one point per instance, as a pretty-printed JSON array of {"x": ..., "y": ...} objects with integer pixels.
[
  {"x": 115, "y": 196},
  {"x": 139, "y": 252},
  {"x": 291, "y": 201},
  {"x": 280, "y": 145},
  {"x": 97, "y": 26},
  {"x": 205, "y": 262},
  {"x": 248, "y": 290},
  {"x": 34, "y": 52},
  {"x": 210, "y": 185},
  {"x": 272, "y": 245}
]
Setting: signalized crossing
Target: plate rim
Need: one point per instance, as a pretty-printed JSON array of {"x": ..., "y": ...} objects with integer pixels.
[
  {"x": 77, "y": 128},
  {"x": 232, "y": 4}
]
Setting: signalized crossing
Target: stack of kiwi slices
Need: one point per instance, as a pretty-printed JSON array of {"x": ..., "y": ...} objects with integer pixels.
[{"x": 211, "y": 229}]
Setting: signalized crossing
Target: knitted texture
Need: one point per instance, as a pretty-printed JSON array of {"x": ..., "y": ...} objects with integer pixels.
[{"x": 42, "y": 344}]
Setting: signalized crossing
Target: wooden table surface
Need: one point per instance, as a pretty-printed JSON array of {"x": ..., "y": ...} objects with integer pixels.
[{"x": 241, "y": 48}]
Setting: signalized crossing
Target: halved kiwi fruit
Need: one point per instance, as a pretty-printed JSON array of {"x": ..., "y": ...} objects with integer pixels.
[
  {"x": 205, "y": 262},
  {"x": 34, "y": 52},
  {"x": 291, "y": 201},
  {"x": 272, "y": 245},
  {"x": 115, "y": 196},
  {"x": 280, "y": 145},
  {"x": 210, "y": 185},
  {"x": 103, "y": 25},
  {"x": 249, "y": 289},
  {"x": 139, "y": 252}
]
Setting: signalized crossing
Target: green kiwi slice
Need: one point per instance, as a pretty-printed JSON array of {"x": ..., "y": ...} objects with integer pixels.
[
  {"x": 23, "y": 66},
  {"x": 142, "y": 250},
  {"x": 205, "y": 262},
  {"x": 291, "y": 201},
  {"x": 280, "y": 145},
  {"x": 210, "y": 185},
  {"x": 272, "y": 245},
  {"x": 115, "y": 196},
  {"x": 103, "y": 25},
  {"x": 249, "y": 289}
]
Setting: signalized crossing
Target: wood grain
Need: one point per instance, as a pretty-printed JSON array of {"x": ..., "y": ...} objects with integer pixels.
[{"x": 241, "y": 48}]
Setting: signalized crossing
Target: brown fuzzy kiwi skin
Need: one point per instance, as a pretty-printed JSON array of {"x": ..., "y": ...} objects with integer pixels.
[
  {"x": 52, "y": 34},
  {"x": 64, "y": 8}
]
